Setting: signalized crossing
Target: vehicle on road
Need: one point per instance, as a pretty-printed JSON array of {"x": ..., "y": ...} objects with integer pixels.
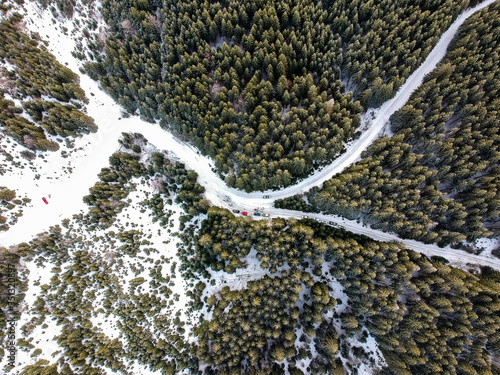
[
  {"x": 266, "y": 196},
  {"x": 236, "y": 211},
  {"x": 45, "y": 200},
  {"x": 244, "y": 213},
  {"x": 265, "y": 215},
  {"x": 256, "y": 213},
  {"x": 305, "y": 217}
]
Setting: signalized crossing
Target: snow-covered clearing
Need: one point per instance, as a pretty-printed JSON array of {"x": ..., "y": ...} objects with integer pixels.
[
  {"x": 240, "y": 278},
  {"x": 126, "y": 268}
]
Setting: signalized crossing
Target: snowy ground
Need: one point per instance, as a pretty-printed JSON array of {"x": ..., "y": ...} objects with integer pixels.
[{"x": 165, "y": 244}]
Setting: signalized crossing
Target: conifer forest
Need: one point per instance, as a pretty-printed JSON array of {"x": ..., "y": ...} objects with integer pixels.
[{"x": 211, "y": 187}]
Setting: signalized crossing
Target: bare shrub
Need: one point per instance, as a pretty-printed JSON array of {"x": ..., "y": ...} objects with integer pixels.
[
  {"x": 215, "y": 89},
  {"x": 128, "y": 27}
]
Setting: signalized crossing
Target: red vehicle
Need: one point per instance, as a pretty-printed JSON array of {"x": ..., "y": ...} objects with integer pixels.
[
  {"x": 244, "y": 213},
  {"x": 45, "y": 200}
]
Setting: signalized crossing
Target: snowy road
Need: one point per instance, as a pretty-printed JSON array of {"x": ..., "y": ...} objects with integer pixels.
[
  {"x": 66, "y": 192},
  {"x": 457, "y": 258}
]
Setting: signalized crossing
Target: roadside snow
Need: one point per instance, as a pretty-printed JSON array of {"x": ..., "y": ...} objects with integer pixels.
[{"x": 488, "y": 245}]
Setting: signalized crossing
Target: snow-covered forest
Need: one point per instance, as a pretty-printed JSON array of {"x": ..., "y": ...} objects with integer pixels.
[{"x": 254, "y": 187}]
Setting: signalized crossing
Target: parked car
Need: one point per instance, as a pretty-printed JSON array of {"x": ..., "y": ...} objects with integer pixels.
[
  {"x": 265, "y": 215},
  {"x": 236, "y": 211},
  {"x": 244, "y": 213},
  {"x": 256, "y": 213},
  {"x": 45, "y": 200},
  {"x": 266, "y": 196}
]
